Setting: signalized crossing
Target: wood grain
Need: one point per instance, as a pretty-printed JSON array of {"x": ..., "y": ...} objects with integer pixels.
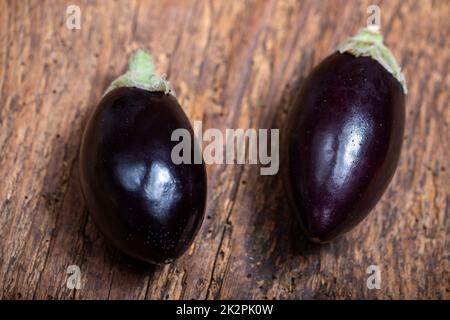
[{"x": 234, "y": 64}]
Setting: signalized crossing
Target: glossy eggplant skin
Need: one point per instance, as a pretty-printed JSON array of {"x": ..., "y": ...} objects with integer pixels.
[
  {"x": 144, "y": 204},
  {"x": 343, "y": 140}
]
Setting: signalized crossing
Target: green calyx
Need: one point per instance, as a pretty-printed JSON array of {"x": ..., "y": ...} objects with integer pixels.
[
  {"x": 141, "y": 74},
  {"x": 369, "y": 43}
]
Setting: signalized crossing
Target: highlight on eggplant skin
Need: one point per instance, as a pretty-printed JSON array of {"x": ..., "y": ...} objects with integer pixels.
[
  {"x": 144, "y": 204},
  {"x": 342, "y": 143}
]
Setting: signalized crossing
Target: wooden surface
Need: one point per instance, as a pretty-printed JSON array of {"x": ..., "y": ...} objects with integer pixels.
[{"x": 234, "y": 64}]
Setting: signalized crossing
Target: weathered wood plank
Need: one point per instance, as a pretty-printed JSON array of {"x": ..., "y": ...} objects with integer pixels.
[{"x": 234, "y": 64}]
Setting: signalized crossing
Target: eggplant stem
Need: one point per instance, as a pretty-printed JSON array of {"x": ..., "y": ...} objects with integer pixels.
[
  {"x": 369, "y": 43},
  {"x": 141, "y": 74}
]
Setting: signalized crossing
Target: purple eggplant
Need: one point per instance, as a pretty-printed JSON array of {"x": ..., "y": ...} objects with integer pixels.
[
  {"x": 343, "y": 136},
  {"x": 144, "y": 204}
]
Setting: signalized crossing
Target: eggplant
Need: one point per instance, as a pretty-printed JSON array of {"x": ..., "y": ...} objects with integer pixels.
[
  {"x": 144, "y": 204},
  {"x": 343, "y": 136}
]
